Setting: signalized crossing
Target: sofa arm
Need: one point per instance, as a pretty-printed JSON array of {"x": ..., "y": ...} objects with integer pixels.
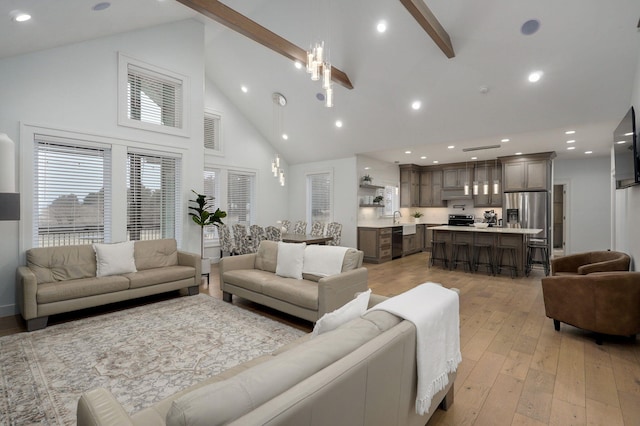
[
  {"x": 99, "y": 407},
  {"x": 191, "y": 259},
  {"x": 621, "y": 264},
  {"x": 232, "y": 263},
  {"x": 27, "y": 288},
  {"x": 570, "y": 299},
  {"x": 569, "y": 263},
  {"x": 336, "y": 290}
]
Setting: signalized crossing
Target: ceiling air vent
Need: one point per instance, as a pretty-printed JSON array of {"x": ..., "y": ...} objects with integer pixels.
[{"x": 480, "y": 148}]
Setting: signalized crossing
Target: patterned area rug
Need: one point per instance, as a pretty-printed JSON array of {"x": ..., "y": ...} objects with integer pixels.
[{"x": 141, "y": 355}]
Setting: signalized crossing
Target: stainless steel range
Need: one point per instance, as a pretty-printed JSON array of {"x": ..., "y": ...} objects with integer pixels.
[{"x": 461, "y": 219}]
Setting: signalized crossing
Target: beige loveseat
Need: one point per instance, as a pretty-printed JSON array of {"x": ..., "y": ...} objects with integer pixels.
[
  {"x": 252, "y": 276},
  {"x": 63, "y": 279},
  {"x": 362, "y": 373}
]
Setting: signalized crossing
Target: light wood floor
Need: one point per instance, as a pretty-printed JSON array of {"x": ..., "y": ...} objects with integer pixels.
[{"x": 516, "y": 369}]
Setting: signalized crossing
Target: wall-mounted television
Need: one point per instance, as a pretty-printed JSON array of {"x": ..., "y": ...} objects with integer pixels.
[{"x": 626, "y": 152}]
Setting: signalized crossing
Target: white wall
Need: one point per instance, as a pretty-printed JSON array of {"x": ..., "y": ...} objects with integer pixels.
[
  {"x": 345, "y": 194},
  {"x": 588, "y": 202}
]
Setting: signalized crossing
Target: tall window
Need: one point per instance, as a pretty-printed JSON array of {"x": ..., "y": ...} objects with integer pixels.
[
  {"x": 212, "y": 140},
  {"x": 391, "y": 200},
  {"x": 153, "y": 196},
  {"x": 241, "y": 197},
  {"x": 319, "y": 206},
  {"x": 212, "y": 189},
  {"x": 72, "y": 192}
]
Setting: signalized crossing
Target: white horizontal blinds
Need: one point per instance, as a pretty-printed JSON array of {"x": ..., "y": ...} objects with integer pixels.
[
  {"x": 240, "y": 198},
  {"x": 72, "y": 193},
  {"x": 319, "y": 197},
  {"x": 212, "y": 189},
  {"x": 153, "y": 97},
  {"x": 212, "y": 131},
  {"x": 153, "y": 198},
  {"x": 390, "y": 194}
]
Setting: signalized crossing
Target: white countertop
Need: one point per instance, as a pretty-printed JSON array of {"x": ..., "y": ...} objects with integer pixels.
[
  {"x": 390, "y": 224},
  {"x": 496, "y": 230}
]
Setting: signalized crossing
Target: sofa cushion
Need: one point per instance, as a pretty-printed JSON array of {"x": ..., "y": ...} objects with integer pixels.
[
  {"x": 159, "y": 275},
  {"x": 114, "y": 259},
  {"x": 251, "y": 279},
  {"x": 155, "y": 253},
  {"x": 303, "y": 293},
  {"x": 267, "y": 256},
  {"x": 342, "y": 315},
  {"x": 51, "y": 264},
  {"x": 290, "y": 260},
  {"x": 84, "y": 287},
  {"x": 352, "y": 260}
]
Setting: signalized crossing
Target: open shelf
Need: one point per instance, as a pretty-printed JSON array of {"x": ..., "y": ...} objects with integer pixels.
[
  {"x": 367, "y": 186},
  {"x": 371, "y": 205}
]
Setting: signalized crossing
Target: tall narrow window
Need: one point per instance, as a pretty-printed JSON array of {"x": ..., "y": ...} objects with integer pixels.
[
  {"x": 212, "y": 132},
  {"x": 319, "y": 197},
  {"x": 153, "y": 196},
  {"x": 241, "y": 197},
  {"x": 212, "y": 189},
  {"x": 72, "y": 192},
  {"x": 391, "y": 199}
]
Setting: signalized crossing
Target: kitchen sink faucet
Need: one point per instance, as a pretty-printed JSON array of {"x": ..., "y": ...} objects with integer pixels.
[{"x": 394, "y": 217}]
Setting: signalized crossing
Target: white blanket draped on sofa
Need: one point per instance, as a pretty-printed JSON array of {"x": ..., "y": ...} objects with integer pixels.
[{"x": 435, "y": 312}]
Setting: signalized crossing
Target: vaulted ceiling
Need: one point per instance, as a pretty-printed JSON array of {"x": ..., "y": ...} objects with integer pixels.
[{"x": 587, "y": 50}]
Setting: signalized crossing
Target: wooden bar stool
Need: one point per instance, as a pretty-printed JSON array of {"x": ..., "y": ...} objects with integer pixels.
[
  {"x": 438, "y": 253},
  {"x": 478, "y": 250},
  {"x": 461, "y": 255},
  {"x": 540, "y": 247},
  {"x": 511, "y": 260}
]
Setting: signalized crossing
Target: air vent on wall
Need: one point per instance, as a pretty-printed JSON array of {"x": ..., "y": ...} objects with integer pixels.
[{"x": 480, "y": 148}]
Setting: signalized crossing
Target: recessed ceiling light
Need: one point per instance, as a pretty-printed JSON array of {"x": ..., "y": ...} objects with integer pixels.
[
  {"x": 451, "y": 146},
  {"x": 367, "y": 168},
  {"x": 416, "y": 105},
  {"x": 297, "y": 64},
  {"x": 101, "y": 6},
  {"x": 244, "y": 89},
  {"x": 628, "y": 134},
  {"x": 338, "y": 123},
  {"x": 530, "y": 27},
  {"x": 424, "y": 157},
  {"x": 505, "y": 140},
  {"x": 518, "y": 153},
  {"x": 571, "y": 147},
  {"x": 571, "y": 141},
  {"x": 535, "y": 76},
  {"x": 285, "y": 136},
  {"x": 381, "y": 27},
  {"x": 474, "y": 158},
  {"x": 21, "y": 17},
  {"x": 588, "y": 152},
  {"x": 621, "y": 142},
  {"x": 569, "y": 132},
  {"x": 407, "y": 152},
  {"x": 435, "y": 161}
]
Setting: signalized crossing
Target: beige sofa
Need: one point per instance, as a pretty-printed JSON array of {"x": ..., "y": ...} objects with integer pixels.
[
  {"x": 362, "y": 373},
  {"x": 252, "y": 276},
  {"x": 63, "y": 279}
]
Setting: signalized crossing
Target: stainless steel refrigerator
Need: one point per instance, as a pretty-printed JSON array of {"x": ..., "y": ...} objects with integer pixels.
[{"x": 528, "y": 210}]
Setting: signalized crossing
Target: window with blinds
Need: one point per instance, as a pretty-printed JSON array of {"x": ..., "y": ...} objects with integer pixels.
[
  {"x": 212, "y": 189},
  {"x": 319, "y": 197},
  {"x": 240, "y": 197},
  {"x": 153, "y": 196},
  {"x": 391, "y": 200},
  {"x": 72, "y": 193},
  {"x": 212, "y": 132}
]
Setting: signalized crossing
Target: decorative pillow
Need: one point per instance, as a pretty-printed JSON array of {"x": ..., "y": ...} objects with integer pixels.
[
  {"x": 343, "y": 314},
  {"x": 114, "y": 259},
  {"x": 290, "y": 260}
]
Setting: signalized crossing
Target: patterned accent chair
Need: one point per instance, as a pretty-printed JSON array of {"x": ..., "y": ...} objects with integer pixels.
[
  {"x": 334, "y": 229},
  {"x": 286, "y": 224},
  {"x": 242, "y": 240},
  {"x": 226, "y": 243},
  {"x": 300, "y": 227},
  {"x": 317, "y": 229},
  {"x": 272, "y": 233},
  {"x": 257, "y": 235}
]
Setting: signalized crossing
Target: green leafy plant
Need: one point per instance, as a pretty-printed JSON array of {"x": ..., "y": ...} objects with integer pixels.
[
  {"x": 367, "y": 179},
  {"x": 378, "y": 199},
  {"x": 417, "y": 214},
  {"x": 202, "y": 217}
]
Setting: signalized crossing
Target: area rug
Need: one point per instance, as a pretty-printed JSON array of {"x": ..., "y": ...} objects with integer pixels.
[{"x": 142, "y": 355}]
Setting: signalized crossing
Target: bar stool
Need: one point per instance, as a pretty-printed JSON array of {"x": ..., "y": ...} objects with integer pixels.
[
  {"x": 477, "y": 255},
  {"x": 537, "y": 246},
  {"x": 438, "y": 246},
  {"x": 511, "y": 258},
  {"x": 461, "y": 255}
]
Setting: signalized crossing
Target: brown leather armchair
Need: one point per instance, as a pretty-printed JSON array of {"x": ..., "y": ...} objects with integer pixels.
[
  {"x": 589, "y": 262},
  {"x": 602, "y": 302}
]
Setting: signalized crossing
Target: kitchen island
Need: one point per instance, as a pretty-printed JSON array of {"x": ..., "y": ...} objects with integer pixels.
[{"x": 493, "y": 236}]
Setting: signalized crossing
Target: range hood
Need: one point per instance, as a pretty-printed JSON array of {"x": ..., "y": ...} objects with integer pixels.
[{"x": 454, "y": 194}]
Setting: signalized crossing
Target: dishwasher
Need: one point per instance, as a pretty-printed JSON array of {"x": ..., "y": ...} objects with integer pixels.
[{"x": 396, "y": 242}]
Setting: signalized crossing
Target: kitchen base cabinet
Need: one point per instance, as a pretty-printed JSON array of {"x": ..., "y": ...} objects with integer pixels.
[{"x": 375, "y": 243}]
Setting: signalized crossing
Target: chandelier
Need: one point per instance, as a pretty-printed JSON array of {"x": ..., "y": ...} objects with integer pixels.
[
  {"x": 279, "y": 102},
  {"x": 319, "y": 68}
]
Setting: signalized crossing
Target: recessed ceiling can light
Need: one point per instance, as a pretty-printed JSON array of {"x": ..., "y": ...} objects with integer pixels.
[
  {"x": 530, "y": 27},
  {"x": 570, "y": 132},
  {"x": 571, "y": 141},
  {"x": 367, "y": 168},
  {"x": 416, "y": 105},
  {"x": 474, "y": 158},
  {"x": 628, "y": 134},
  {"x": 621, "y": 142},
  {"x": 535, "y": 76},
  {"x": 569, "y": 148},
  {"x": 338, "y": 123},
  {"x": 21, "y": 17},
  {"x": 381, "y": 27},
  {"x": 285, "y": 136},
  {"x": 244, "y": 89},
  {"x": 424, "y": 157},
  {"x": 588, "y": 152},
  {"x": 101, "y": 6},
  {"x": 504, "y": 140},
  {"x": 518, "y": 153},
  {"x": 435, "y": 161},
  {"x": 407, "y": 152},
  {"x": 297, "y": 64},
  {"x": 451, "y": 146}
]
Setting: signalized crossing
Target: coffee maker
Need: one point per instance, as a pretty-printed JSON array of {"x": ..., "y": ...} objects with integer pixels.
[{"x": 490, "y": 218}]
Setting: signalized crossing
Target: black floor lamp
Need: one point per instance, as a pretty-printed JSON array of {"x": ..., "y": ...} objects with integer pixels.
[{"x": 9, "y": 199}]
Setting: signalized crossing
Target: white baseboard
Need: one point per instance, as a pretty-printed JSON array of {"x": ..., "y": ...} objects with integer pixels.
[{"x": 8, "y": 310}]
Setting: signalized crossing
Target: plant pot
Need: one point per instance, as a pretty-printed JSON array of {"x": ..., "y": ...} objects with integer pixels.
[{"x": 417, "y": 219}]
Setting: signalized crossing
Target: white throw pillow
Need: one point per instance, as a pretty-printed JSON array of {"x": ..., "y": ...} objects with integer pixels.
[
  {"x": 114, "y": 259},
  {"x": 290, "y": 260},
  {"x": 343, "y": 314}
]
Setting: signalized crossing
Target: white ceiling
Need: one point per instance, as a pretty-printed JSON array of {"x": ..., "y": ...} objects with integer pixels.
[{"x": 587, "y": 49}]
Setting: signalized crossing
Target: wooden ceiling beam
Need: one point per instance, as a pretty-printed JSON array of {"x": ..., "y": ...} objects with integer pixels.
[
  {"x": 427, "y": 20},
  {"x": 236, "y": 21}
]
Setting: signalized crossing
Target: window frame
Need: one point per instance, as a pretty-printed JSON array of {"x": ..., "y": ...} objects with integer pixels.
[
  {"x": 218, "y": 133},
  {"x": 309, "y": 195}
]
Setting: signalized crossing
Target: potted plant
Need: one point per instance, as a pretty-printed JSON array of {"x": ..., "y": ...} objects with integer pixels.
[
  {"x": 416, "y": 216},
  {"x": 202, "y": 217},
  {"x": 367, "y": 179},
  {"x": 378, "y": 199}
]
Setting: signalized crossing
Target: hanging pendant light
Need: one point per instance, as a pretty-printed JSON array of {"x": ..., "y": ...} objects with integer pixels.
[{"x": 496, "y": 182}]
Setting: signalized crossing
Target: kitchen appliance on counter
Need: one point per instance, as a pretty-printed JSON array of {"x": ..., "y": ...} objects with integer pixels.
[
  {"x": 528, "y": 210},
  {"x": 461, "y": 220},
  {"x": 490, "y": 217}
]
